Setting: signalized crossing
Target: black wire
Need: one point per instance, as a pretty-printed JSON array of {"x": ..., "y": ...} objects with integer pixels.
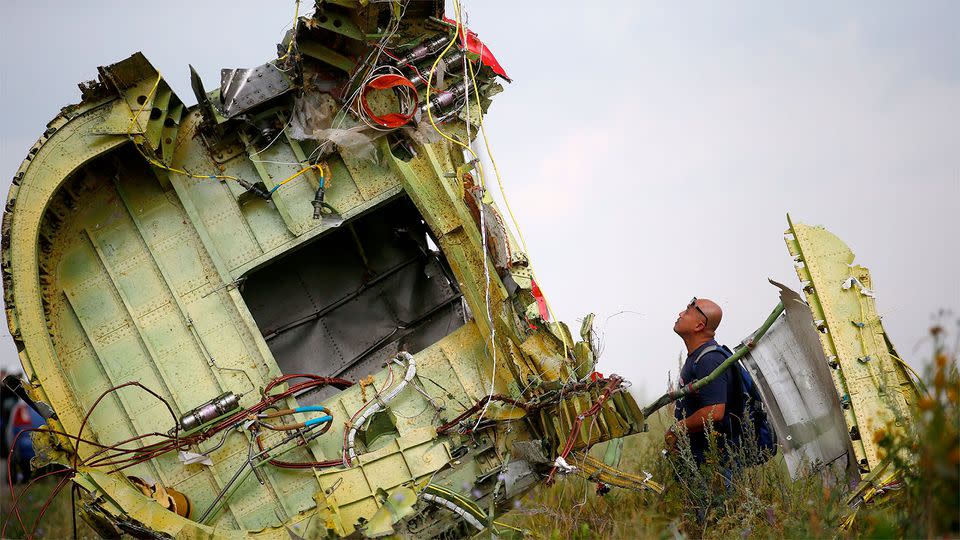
[{"x": 73, "y": 508}]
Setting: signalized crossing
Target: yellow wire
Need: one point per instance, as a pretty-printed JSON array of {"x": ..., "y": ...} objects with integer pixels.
[
  {"x": 143, "y": 105},
  {"x": 293, "y": 36},
  {"x": 476, "y": 159},
  {"x": 914, "y": 383},
  {"x": 503, "y": 193},
  {"x": 433, "y": 70},
  {"x": 317, "y": 166},
  {"x": 161, "y": 165},
  {"x": 916, "y": 375}
]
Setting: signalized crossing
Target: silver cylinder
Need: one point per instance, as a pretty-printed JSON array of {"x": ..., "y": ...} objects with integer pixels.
[
  {"x": 453, "y": 61},
  {"x": 425, "y": 49},
  {"x": 209, "y": 411},
  {"x": 447, "y": 101}
]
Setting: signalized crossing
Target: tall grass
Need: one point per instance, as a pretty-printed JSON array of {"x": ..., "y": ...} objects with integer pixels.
[{"x": 762, "y": 501}]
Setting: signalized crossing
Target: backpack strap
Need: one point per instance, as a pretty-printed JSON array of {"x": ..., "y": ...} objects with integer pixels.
[
  {"x": 737, "y": 376},
  {"x": 704, "y": 352}
]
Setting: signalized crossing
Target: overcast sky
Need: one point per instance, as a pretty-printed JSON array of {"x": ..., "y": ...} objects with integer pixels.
[{"x": 651, "y": 151}]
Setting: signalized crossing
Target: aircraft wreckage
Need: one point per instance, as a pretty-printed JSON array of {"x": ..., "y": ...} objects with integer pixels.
[{"x": 294, "y": 309}]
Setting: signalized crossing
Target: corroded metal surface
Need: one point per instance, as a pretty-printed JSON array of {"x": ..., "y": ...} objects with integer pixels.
[
  {"x": 867, "y": 373},
  {"x": 129, "y": 235}
]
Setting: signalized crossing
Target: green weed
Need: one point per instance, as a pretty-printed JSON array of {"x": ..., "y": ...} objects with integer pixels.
[{"x": 762, "y": 501}]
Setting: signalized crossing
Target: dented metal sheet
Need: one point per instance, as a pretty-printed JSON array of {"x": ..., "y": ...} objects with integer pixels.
[
  {"x": 244, "y": 89},
  {"x": 793, "y": 377},
  {"x": 157, "y": 257}
]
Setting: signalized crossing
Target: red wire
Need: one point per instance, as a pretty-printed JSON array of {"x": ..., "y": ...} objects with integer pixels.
[
  {"x": 612, "y": 384},
  {"x": 304, "y": 464},
  {"x": 83, "y": 424},
  {"x": 15, "y": 509},
  {"x": 46, "y": 504},
  {"x": 134, "y": 456},
  {"x": 387, "y": 82},
  {"x": 476, "y": 407}
]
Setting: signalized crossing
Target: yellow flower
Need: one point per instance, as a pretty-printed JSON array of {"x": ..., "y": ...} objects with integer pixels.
[{"x": 879, "y": 435}]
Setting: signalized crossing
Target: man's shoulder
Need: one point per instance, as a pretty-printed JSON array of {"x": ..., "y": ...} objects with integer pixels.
[
  {"x": 709, "y": 359},
  {"x": 709, "y": 350}
]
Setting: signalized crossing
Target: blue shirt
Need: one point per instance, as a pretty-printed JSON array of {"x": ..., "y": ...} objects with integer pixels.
[{"x": 717, "y": 392}]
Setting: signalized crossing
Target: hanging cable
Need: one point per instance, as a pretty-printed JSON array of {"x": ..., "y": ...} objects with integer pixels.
[
  {"x": 506, "y": 201},
  {"x": 381, "y": 404},
  {"x": 293, "y": 35},
  {"x": 404, "y": 89}
]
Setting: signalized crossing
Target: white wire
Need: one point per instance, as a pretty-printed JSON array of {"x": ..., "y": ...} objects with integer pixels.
[
  {"x": 276, "y": 162},
  {"x": 342, "y": 113},
  {"x": 483, "y": 227},
  {"x": 275, "y": 139},
  {"x": 356, "y": 106}
]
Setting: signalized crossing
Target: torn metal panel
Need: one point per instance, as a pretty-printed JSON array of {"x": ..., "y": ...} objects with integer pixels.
[
  {"x": 866, "y": 373},
  {"x": 158, "y": 256},
  {"x": 355, "y": 300},
  {"x": 793, "y": 377},
  {"x": 243, "y": 89}
]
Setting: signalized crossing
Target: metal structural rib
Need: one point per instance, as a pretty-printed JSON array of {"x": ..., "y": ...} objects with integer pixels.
[
  {"x": 871, "y": 380},
  {"x": 293, "y": 308},
  {"x": 226, "y": 247}
]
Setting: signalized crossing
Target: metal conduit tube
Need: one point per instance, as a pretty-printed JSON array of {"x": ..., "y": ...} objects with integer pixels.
[
  {"x": 380, "y": 404},
  {"x": 450, "y": 505}
]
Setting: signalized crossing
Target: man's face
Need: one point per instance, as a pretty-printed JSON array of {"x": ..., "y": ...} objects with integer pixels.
[{"x": 690, "y": 320}]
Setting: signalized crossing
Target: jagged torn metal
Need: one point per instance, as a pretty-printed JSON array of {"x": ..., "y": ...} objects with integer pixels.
[
  {"x": 868, "y": 375},
  {"x": 791, "y": 372}
]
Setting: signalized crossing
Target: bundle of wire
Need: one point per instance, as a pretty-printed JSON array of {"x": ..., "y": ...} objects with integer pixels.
[
  {"x": 613, "y": 384},
  {"x": 346, "y": 430},
  {"x": 366, "y": 68},
  {"x": 387, "y": 78},
  {"x": 120, "y": 457}
]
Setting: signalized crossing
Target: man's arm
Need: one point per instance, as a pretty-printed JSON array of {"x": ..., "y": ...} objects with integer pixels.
[
  {"x": 696, "y": 423},
  {"x": 713, "y": 396}
]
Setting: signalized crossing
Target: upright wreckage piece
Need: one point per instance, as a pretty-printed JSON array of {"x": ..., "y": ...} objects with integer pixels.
[
  {"x": 268, "y": 246},
  {"x": 293, "y": 309}
]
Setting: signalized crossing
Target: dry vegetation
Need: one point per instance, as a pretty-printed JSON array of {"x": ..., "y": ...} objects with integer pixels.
[{"x": 761, "y": 503}]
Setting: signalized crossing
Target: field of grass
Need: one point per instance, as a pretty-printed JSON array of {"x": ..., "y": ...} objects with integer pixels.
[
  {"x": 57, "y": 522},
  {"x": 762, "y": 501}
]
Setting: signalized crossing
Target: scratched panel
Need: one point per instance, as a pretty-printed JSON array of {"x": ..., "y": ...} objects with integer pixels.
[
  {"x": 374, "y": 177},
  {"x": 852, "y": 336},
  {"x": 217, "y": 207},
  {"x": 219, "y": 347},
  {"x": 153, "y": 313},
  {"x": 125, "y": 276}
]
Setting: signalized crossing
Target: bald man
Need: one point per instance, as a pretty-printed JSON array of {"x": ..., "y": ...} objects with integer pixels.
[{"x": 697, "y": 325}]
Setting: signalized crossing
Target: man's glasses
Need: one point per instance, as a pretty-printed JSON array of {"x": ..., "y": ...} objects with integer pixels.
[{"x": 693, "y": 304}]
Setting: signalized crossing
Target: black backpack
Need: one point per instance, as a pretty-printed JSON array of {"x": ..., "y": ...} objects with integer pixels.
[{"x": 748, "y": 402}]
